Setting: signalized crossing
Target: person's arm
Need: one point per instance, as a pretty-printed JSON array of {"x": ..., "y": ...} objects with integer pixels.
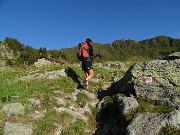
[{"x": 91, "y": 51}]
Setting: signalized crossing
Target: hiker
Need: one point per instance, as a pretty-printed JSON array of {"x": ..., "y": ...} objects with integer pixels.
[{"x": 87, "y": 63}]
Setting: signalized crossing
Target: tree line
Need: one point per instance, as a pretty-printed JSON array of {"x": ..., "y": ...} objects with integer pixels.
[{"x": 27, "y": 55}]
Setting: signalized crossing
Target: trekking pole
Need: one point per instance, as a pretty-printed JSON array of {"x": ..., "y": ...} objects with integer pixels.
[{"x": 97, "y": 55}]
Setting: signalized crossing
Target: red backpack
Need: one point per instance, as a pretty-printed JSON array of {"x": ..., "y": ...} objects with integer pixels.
[{"x": 83, "y": 51}]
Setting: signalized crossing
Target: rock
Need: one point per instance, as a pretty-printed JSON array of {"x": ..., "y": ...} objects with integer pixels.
[
  {"x": 48, "y": 74},
  {"x": 17, "y": 129},
  {"x": 60, "y": 101},
  {"x": 73, "y": 96},
  {"x": 146, "y": 124},
  {"x": 152, "y": 123},
  {"x": 127, "y": 104},
  {"x": 173, "y": 56},
  {"x": 47, "y": 62},
  {"x": 37, "y": 115},
  {"x": 63, "y": 73},
  {"x": 34, "y": 101},
  {"x": 87, "y": 109},
  {"x": 77, "y": 114},
  {"x": 58, "y": 129},
  {"x": 155, "y": 80},
  {"x": 173, "y": 119},
  {"x": 13, "y": 109},
  {"x": 93, "y": 102},
  {"x": 89, "y": 94},
  {"x": 94, "y": 80},
  {"x": 106, "y": 85},
  {"x": 5, "y": 54}
]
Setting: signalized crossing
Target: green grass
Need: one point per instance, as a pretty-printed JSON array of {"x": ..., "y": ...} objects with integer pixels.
[
  {"x": 82, "y": 99},
  {"x": 152, "y": 106},
  {"x": 169, "y": 131},
  {"x": 76, "y": 129},
  {"x": 42, "y": 89},
  {"x": 12, "y": 89}
]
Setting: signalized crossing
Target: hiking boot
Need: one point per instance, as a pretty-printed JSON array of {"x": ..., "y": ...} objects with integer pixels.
[{"x": 80, "y": 86}]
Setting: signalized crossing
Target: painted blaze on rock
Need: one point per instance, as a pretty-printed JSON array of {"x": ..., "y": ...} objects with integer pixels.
[{"x": 148, "y": 79}]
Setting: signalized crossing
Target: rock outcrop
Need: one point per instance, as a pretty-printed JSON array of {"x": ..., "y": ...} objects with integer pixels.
[
  {"x": 47, "y": 62},
  {"x": 152, "y": 123},
  {"x": 47, "y": 75},
  {"x": 5, "y": 54},
  {"x": 154, "y": 80}
]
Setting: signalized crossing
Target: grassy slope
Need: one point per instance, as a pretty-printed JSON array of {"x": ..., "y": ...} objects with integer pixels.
[{"x": 43, "y": 89}]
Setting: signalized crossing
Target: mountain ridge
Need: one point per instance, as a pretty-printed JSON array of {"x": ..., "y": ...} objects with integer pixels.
[
  {"x": 119, "y": 50},
  {"x": 123, "y": 50}
]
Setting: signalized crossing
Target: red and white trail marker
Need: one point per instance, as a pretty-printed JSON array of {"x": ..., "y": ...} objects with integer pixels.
[{"x": 148, "y": 79}]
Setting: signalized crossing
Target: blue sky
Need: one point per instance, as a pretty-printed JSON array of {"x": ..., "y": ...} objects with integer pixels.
[{"x": 57, "y": 24}]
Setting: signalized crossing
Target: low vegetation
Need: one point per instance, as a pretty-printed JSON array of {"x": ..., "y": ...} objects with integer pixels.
[
  {"x": 120, "y": 50},
  {"x": 13, "y": 89}
]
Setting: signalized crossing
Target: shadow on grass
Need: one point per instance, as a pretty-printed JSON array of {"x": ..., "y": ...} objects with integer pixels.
[{"x": 75, "y": 77}]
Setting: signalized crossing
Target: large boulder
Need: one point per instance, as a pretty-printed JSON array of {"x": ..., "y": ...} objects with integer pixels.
[
  {"x": 155, "y": 80},
  {"x": 152, "y": 123}
]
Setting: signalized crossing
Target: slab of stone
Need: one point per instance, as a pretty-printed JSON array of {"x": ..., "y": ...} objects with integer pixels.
[
  {"x": 17, "y": 129},
  {"x": 13, "y": 109}
]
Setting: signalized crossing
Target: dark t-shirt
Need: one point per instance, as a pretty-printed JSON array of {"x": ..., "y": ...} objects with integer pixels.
[{"x": 90, "y": 47}]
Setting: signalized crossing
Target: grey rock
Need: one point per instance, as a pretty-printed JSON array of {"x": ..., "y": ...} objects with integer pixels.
[
  {"x": 89, "y": 94},
  {"x": 155, "y": 80},
  {"x": 48, "y": 74},
  {"x": 93, "y": 102},
  {"x": 17, "y": 129},
  {"x": 38, "y": 115},
  {"x": 75, "y": 112},
  {"x": 58, "y": 129},
  {"x": 152, "y": 123},
  {"x": 13, "y": 109},
  {"x": 106, "y": 85},
  {"x": 146, "y": 124},
  {"x": 172, "y": 56},
  {"x": 87, "y": 109},
  {"x": 5, "y": 54},
  {"x": 73, "y": 96},
  {"x": 173, "y": 119},
  {"x": 127, "y": 104},
  {"x": 60, "y": 101},
  {"x": 34, "y": 101},
  {"x": 94, "y": 80}
]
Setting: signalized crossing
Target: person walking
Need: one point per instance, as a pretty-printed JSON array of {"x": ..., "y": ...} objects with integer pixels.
[{"x": 87, "y": 66}]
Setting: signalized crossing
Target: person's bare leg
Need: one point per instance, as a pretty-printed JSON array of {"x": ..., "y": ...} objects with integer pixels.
[
  {"x": 86, "y": 75},
  {"x": 90, "y": 74}
]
